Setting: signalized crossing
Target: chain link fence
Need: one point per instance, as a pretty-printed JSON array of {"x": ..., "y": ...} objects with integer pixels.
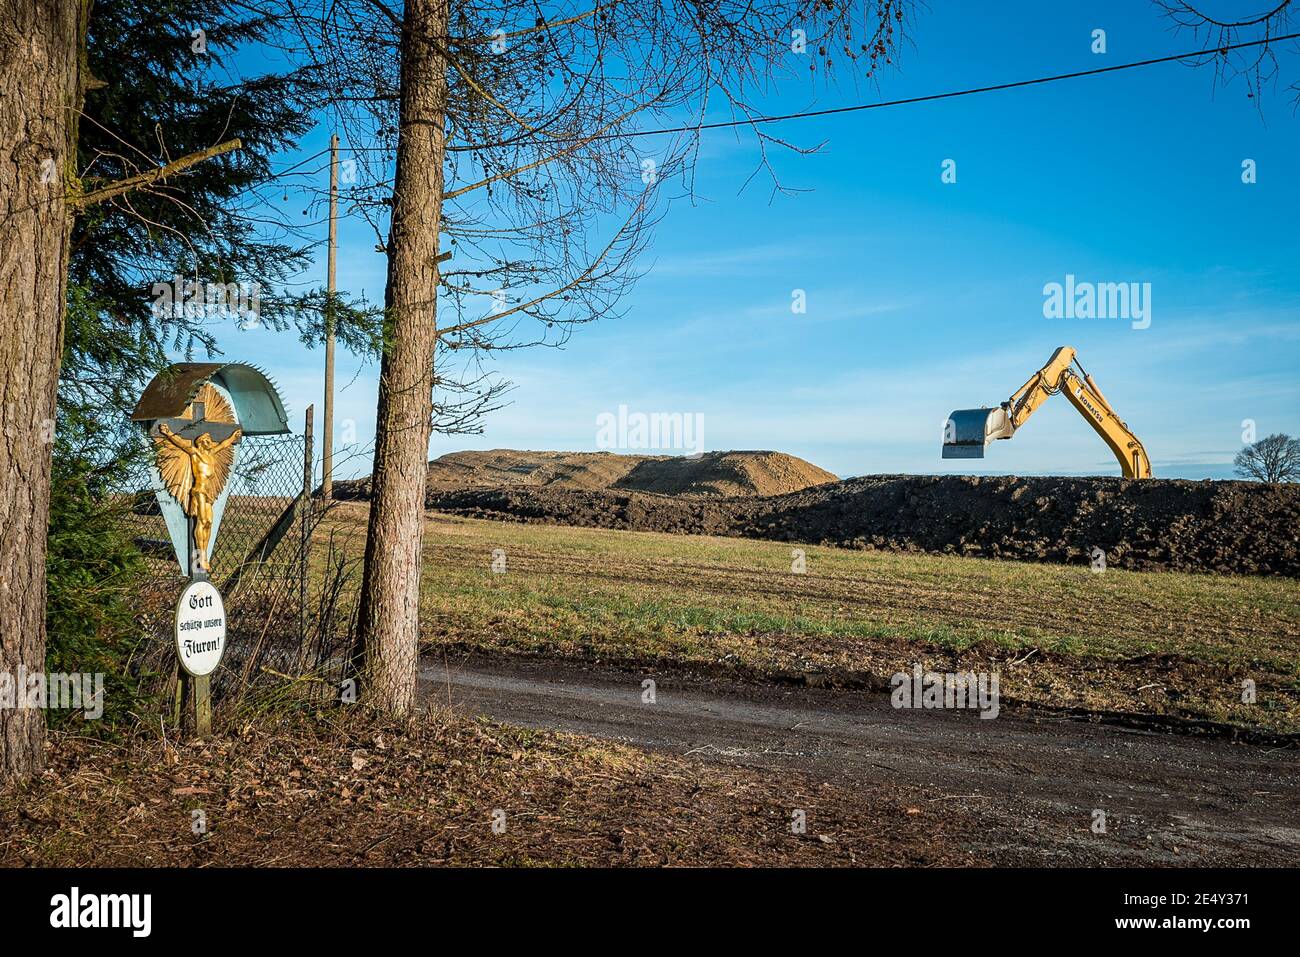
[{"x": 278, "y": 623}]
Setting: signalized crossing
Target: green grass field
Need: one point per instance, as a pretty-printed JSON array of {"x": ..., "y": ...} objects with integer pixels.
[{"x": 1157, "y": 643}]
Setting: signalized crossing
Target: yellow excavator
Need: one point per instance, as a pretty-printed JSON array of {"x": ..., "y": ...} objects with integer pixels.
[{"x": 968, "y": 431}]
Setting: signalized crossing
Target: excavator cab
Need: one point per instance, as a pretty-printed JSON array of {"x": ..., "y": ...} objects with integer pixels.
[{"x": 968, "y": 431}]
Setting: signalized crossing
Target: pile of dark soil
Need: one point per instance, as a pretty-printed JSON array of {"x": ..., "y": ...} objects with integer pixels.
[
  {"x": 711, "y": 474},
  {"x": 1153, "y": 524}
]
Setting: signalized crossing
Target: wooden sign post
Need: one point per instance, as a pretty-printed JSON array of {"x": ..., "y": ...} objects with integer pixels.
[{"x": 200, "y": 643}]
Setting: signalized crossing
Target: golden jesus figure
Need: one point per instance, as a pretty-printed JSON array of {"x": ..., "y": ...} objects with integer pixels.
[
  {"x": 204, "y": 464},
  {"x": 195, "y": 470}
]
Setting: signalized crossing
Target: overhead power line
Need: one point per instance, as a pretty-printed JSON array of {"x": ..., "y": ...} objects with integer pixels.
[
  {"x": 952, "y": 94},
  {"x": 302, "y": 162},
  {"x": 906, "y": 101}
]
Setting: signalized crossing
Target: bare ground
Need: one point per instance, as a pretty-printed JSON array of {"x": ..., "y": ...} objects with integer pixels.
[
  {"x": 710, "y": 774},
  {"x": 714, "y": 772},
  {"x": 343, "y": 791},
  {"x": 1032, "y": 782}
]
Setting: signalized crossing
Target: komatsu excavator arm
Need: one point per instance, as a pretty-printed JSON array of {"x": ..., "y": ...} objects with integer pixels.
[{"x": 968, "y": 431}]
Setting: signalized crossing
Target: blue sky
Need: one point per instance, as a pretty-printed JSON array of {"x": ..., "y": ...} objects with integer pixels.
[{"x": 922, "y": 296}]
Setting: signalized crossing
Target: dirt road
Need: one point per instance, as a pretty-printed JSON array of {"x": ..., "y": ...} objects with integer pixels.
[{"x": 1036, "y": 784}]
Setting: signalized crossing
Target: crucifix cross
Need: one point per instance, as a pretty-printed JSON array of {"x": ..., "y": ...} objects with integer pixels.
[{"x": 192, "y": 428}]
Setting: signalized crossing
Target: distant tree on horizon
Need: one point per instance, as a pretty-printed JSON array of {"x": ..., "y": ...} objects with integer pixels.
[{"x": 1274, "y": 458}]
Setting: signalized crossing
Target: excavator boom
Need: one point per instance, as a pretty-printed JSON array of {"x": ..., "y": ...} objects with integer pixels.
[{"x": 969, "y": 431}]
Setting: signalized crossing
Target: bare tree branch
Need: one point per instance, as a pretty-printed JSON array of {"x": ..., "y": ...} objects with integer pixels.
[{"x": 152, "y": 176}]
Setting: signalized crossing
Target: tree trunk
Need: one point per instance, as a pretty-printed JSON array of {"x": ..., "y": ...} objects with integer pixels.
[
  {"x": 40, "y": 45},
  {"x": 390, "y": 597}
]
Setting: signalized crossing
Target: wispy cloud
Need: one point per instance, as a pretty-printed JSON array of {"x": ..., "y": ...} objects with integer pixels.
[{"x": 731, "y": 262}]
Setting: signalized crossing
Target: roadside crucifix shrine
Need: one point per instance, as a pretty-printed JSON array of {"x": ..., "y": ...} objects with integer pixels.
[{"x": 195, "y": 415}]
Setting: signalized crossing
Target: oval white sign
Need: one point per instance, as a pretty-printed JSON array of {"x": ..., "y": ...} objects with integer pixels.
[{"x": 200, "y": 628}]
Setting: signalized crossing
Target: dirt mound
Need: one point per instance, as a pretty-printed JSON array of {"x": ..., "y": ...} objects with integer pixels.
[
  {"x": 724, "y": 474},
  {"x": 508, "y": 467},
  {"x": 1236, "y": 527},
  {"x": 711, "y": 474}
]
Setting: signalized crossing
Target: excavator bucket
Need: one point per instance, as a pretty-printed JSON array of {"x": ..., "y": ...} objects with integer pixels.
[{"x": 968, "y": 431}]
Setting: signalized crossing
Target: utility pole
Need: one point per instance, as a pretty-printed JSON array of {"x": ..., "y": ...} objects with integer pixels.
[{"x": 327, "y": 430}]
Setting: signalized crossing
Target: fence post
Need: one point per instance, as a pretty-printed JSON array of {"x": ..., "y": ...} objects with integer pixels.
[{"x": 308, "y": 474}]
